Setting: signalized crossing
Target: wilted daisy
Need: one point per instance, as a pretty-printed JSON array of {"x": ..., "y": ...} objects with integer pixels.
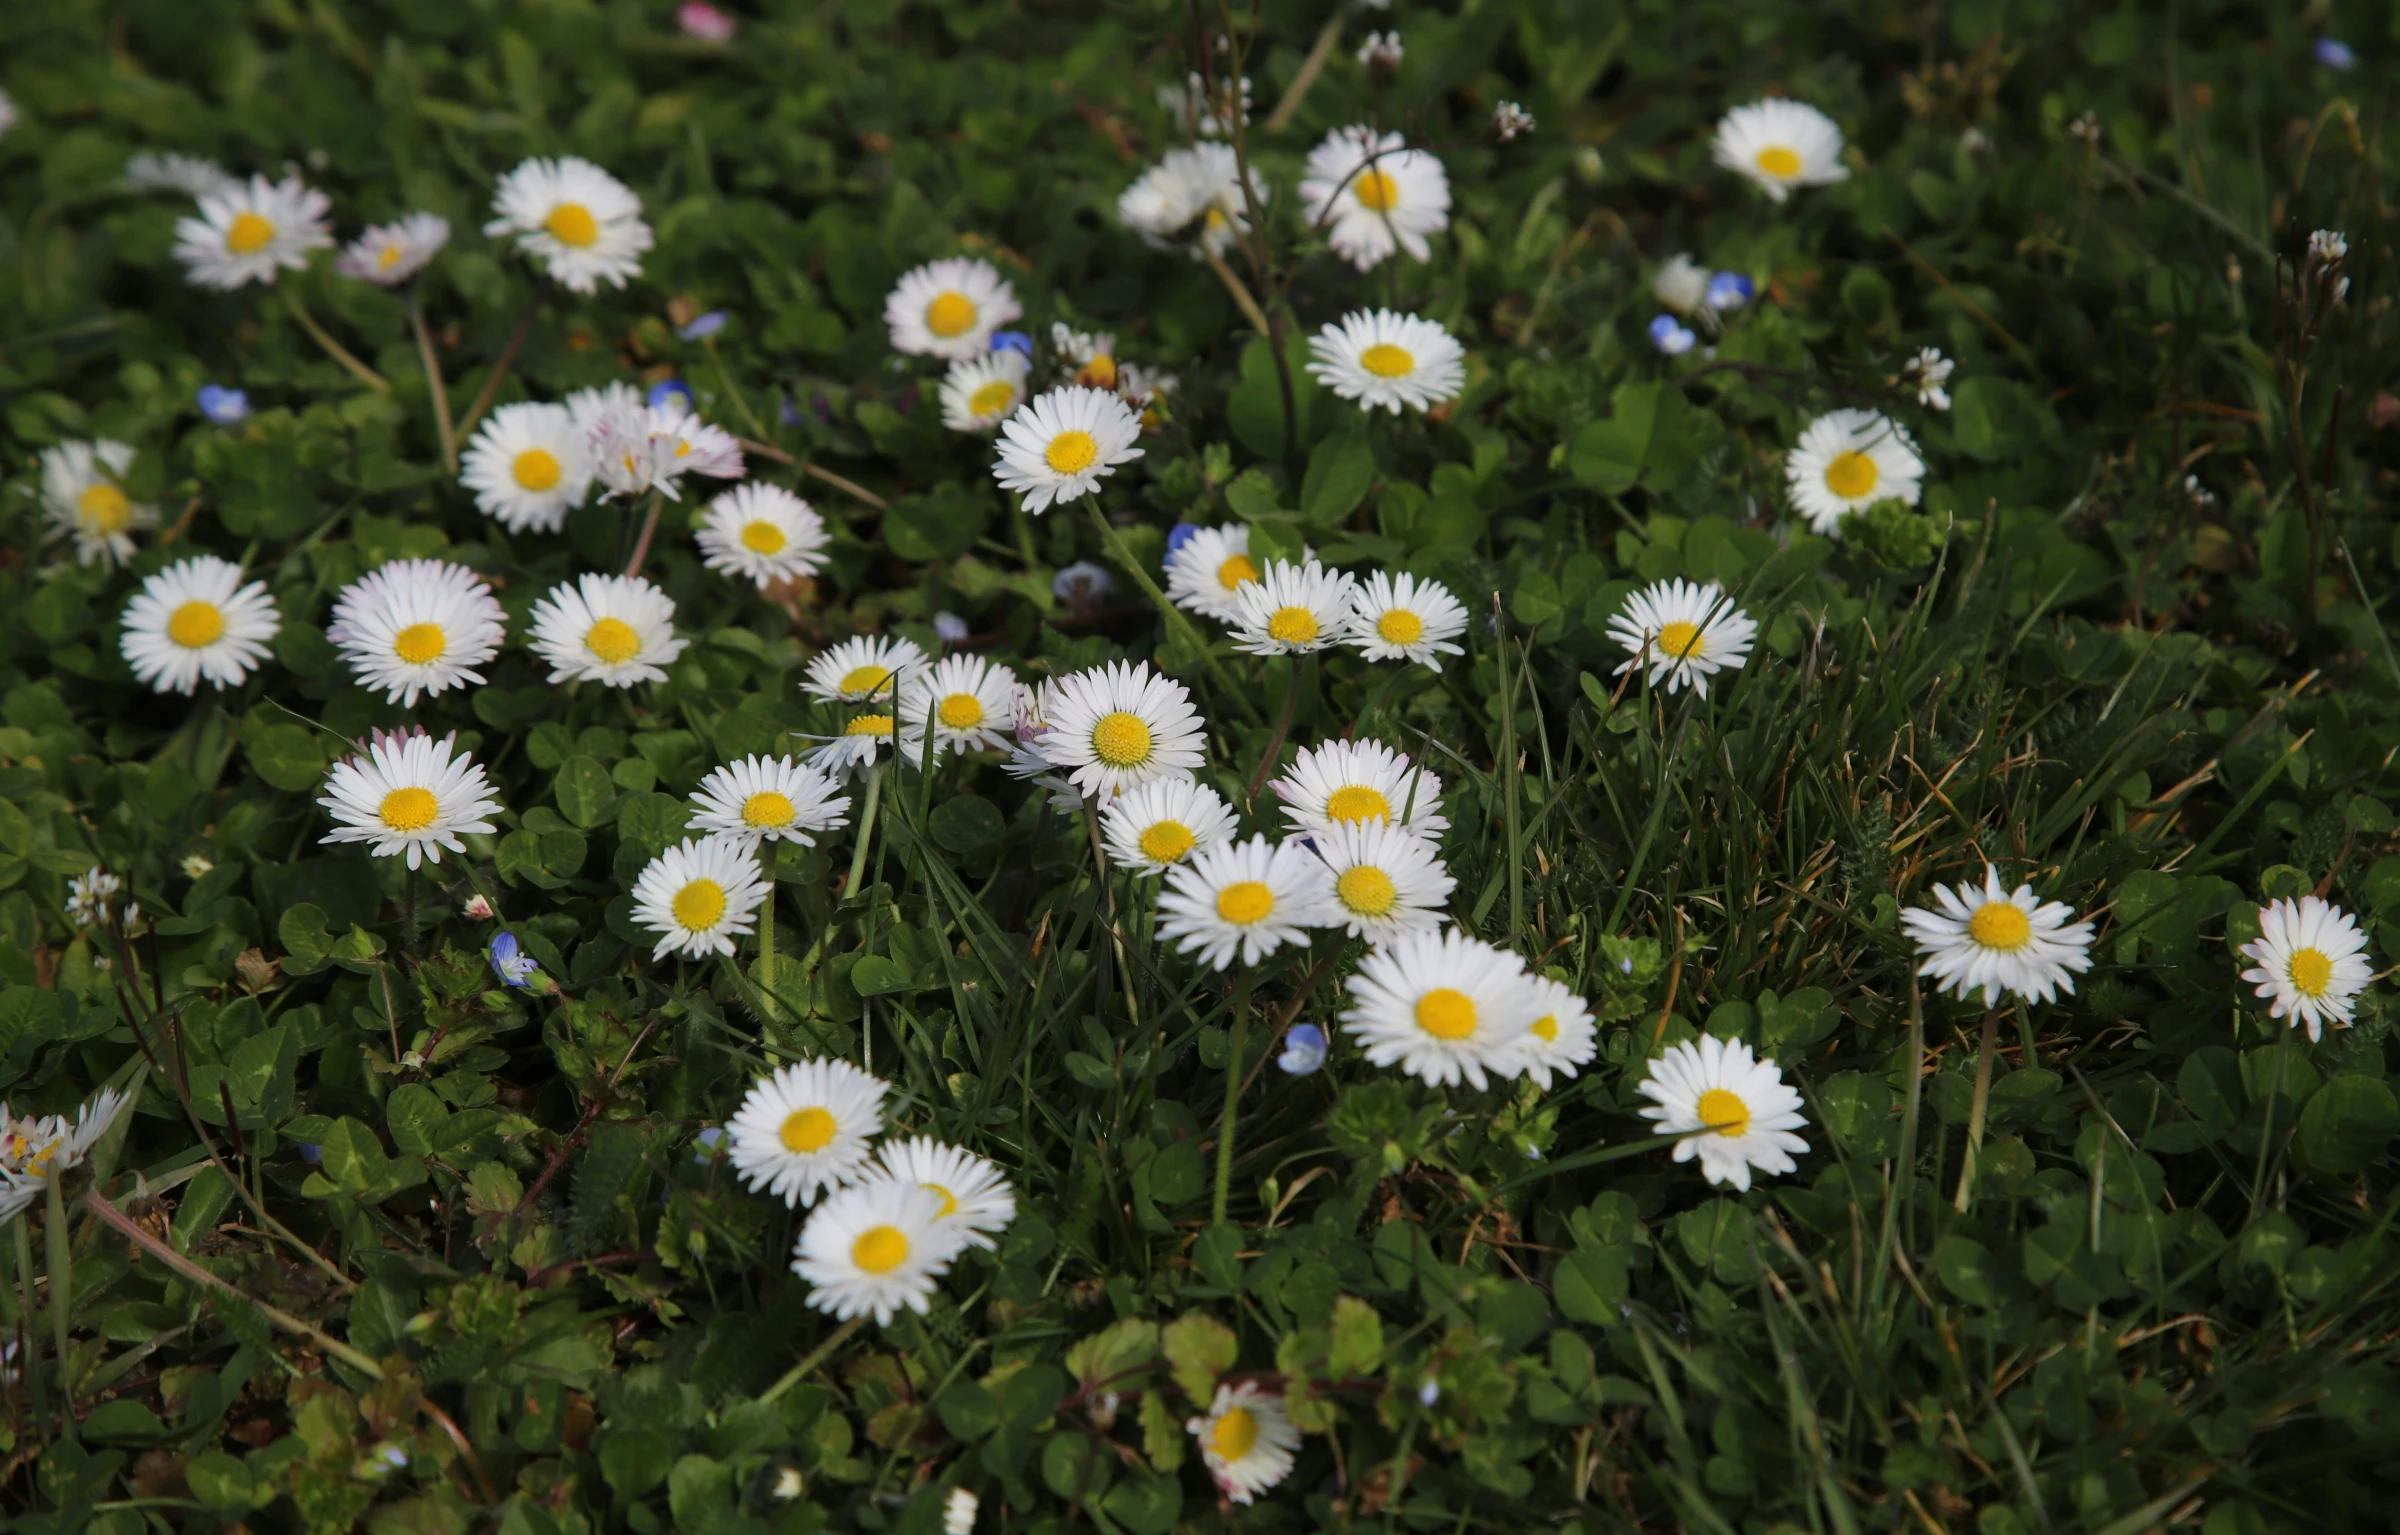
[
  {"x": 862, "y": 742},
  {"x": 979, "y": 393},
  {"x": 769, "y": 799},
  {"x": 616, "y": 630},
  {"x": 1387, "y": 881},
  {"x": 1684, "y": 631},
  {"x": 966, "y": 702},
  {"x": 1404, "y": 618},
  {"x": 408, "y": 796},
  {"x": 1244, "y": 900},
  {"x": 1372, "y": 193},
  {"x": 250, "y": 231},
  {"x": 584, "y": 225},
  {"x": 83, "y": 489},
  {"x": 388, "y": 255},
  {"x": 1247, "y": 1440},
  {"x": 1385, "y": 360},
  {"x": 153, "y": 170},
  {"x": 1291, "y": 609},
  {"x": 949, "y": 308},
  {"x": 1442, "y": 1007},
  {"x": 2312, "y": 963},
  {"x": 809, "y": 1127},
  {"x": 197, "y": 619},
  {"x": 975, "y": 1198},
  {"x": 1781, "y": 145},
  {"x": 698, "y": 896},
  {"x": 415, "y": 627},
  {"x": 1847, "y": 461},
  {"x": 1191, "y": 197},
  {"x": 763, "y": 533},
  {"x": 1062, "y": 445},
  {"x": 1928, "y": 373},
  {"x": 876, "y": 1248},
  {"x": 1996, "y": 941},
  {"x": 1343, "y": 783},
  {"x": 869, "y": 666},
  {"x": 1732, "y": 1110},
  {"x": 639, "y": 447},
  {"x": 91, "y": 896},
  {"x": 34, "y": 1149},
  {"x": 1155, "y": 826},
  {"x": 1117, "y": 726},
  {"x": 1207, "y": 571},
  {"x": 529, "y": 465},
  {"x": 1563, "y": 1038}
]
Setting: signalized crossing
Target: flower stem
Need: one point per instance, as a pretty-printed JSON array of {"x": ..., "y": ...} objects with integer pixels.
[
  {"x": 1983, "y": 1098},
  {"x": 1233, "y": 1094},
  {"x": 1167, "y": 610},
  {"x": 641, "y": 545},
  {"x": 508, "y": 355},
  {"x": 333, "y": 349},
  {"x": 816, "y": 1356},
  {"x": 433, "y": 382},
  {"x": 866, "y": 833},
  {"x": 62, "y": 1296},
  {"x": 408, "y": 912},
  {"x": 766, "y": 930},
  {"x": 31, "y": 1339}
]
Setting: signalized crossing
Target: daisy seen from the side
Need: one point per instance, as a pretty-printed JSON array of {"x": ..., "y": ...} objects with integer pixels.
[
  {"x": 83, "y": 490},
  {"x": 614, "y": 630},
  {"x": 762, "y": 534},
  {"x": 1118, "y": 726},
  {"x": 1244, "y": 900},
  {"x": 1730, "y": 1109},
  {"x": 1207, "y": 572},
  {"x": 198, "y": 620},
  {"x": 1388, "y": 361},
  {"x": 1780, "y": 146},
  {"x": 699, "y": 896},
  {"x": 862, "y": 743},
  {"x": 949, "y": 308},
  {"x": 808, "y": 1127},
  {"x": 409, "y": 796},
  {"x": 1562, "y": 1039},
  {"x": 1404, "y": 618},
  {"x": 528, "y": 465},
  {"x": 388, "y": 255},
  {"x": 1442, "y": 1007},
  {"x": 1847, "y": 461},
  {"x": 36, "y": 1148},
  {"x": 1373, "y": 194},
  {"x": 975, "y": 1198},
  {"x": 867, "y": 666},
  {"x": 769, "y": 799},
  {"x": 1153, "y": 827},
  {"x": 1064, "y": 443},
  {"x": 417, "y": 627},
  {"x": 2311, "y": 963},
  {"x": 1342, "y": 783},
  {"x": 1292, "y": 609},
  {"x": 875, "y": 1249},
  {"x": 966, "y": 703},
  {"x": 252, "y": 231},
  {"x": 583, "y": 224},
  {"x": 1192, "y": 197},
  {"x": 1247, "y": 1440},
  {"x": 1684, "y": 632},
  {"x": 1999, "y": 941},
  {"x": 980, "y": 392}
]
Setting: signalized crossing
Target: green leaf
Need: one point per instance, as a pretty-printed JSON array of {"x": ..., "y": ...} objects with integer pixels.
[
  {"x": 287, "y": 756},
  {"x": 416, "y": 1115},
  {"x": 1198, "y": 1349},
  {"x": 1966, "y": 1267},
  {"x": 1608, "y": 454},
  {"x": 877, "y": 975},
  {"x": 2347, "y": 1123},
  {"x": 226, "y": 1484},
  {"x": 968, "y": 1409},
  {"x": 1145, "y": 1505},
  {"x": 1590, "y": 1286},
  {"x": 942, "y": 524},
  {"x": 1994, "y": 418},
  {"x": 634, "y": 1461},
  {"x": 1121, "y": 1348},
  {"x": 350, "y": 1158},
  {"x": 967, "y": 823},
  {"x": 586, "y": 795},
  {"x": 1339, "y": 475},
  {"x": 1357, "y": 1339}
]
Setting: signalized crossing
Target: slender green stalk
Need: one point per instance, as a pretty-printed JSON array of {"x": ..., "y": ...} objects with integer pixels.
[
  {"x": 740, "y": 401},
  {"x": 408, "y": 913},
  {"x": 1975, "y": 1114},
  {"x": 433, "y": 383},
  {"x": 31, "y": 1341},
  {"x": 333, "y": 349},
  {"x": 1233, "y": 1094},
  {"x": 62, "y": 1296},
  {"x": 766, "y": 930},
  {"x": 1172, "y": 614},
  {"x": 866, "y": 833},
  {"x": 816, "y": 1356}
]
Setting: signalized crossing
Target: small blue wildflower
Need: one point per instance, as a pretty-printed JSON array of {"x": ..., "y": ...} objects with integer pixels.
[
  {"x": 668, "y": 390},
  {"x": 311, "y": 1153},
  {"x": 1429, "y": 1393},
  {"x": 1013, "y": 341},
  {"x": 1303, "y": 1049},
  {"x": 2333, "y": 53},
  {"x": 950, "y": 627},
  {"x": 1083, "y": 584},
  {"x": 787, "y": 414},
  {"x": 1179, "y": 535},
  {"x": 225, "y": 407},
  {"x": 1671, "y": 337},
  {"x": 511, "y": 966},
  {"x": 1729, "y": 290},
  {"x": 705, "y": 1144},
  {"x": 704, "y": 326}
]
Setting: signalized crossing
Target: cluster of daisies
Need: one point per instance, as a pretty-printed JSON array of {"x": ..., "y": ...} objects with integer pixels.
[{"x": 37, "y": 1149}]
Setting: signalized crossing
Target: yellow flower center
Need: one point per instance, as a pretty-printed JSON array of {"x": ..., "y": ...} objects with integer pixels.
[
  {"x": 869, "y": 725},
  {"x": 1545, "y": 1028},
  {"x": 572, "y": 224},
  {"x": 808, "y": 1130},
  {"x": 992, "y": 399},
  {"x": 2000, "y": 925},
  {"x": 1678, "y": 639},
  {"x": 866, "y": 679},
  {"x": 1375, "y": 190},
  {"x": 1292, "y": 626},
  {"x": 613, "y": 641},
  {"x": 1121, "y": 739},
  {"x": 962, "y": 711},
  {"x": 1400, "y": 627},
  {"x": 409, "y": 809},
  {"x": 104, "y": 508},
  {"x": 700, "y": 905},
  {"x": 1724, "y": 1112},
  {"x": 1367, "y": 891},
  {"x": 196, "y": 624},
  {"x": 535, "y": 469},
  {"x": 389, "y": 257},
  {"x": 1167, "y": 842},
  {"x": 1099, "y": 373},
  {"x": 1385, "y": 360},
  {"x": 1780, "y": 161},
  {"x": 1071, "y": 452},
  {"x": 1245, "y": 902},
  {"x": 1446, "y": 1013},
  {"x": 1235, "y": 571},
  {"x": 763, "y": 538},
  {"x": 767, "y": 808},
  {"x": 2311, "y": 972},
  {"x": 1234, "y": 1434},
  {"x": 879, "y": 1249},
  {"x": 248, "y": 234},
  {"x": 1851, "y": 475},
  {"x": 420, "y": 643},
  {"x": 950, "y": 314},
  {"x": 949, "y": 1200},
  {"x": 1354, "y": 803}
]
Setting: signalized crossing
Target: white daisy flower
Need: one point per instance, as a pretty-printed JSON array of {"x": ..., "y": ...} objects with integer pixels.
[
  {"x": 1685, "y": 632},
  {"x": 1245, "y": 900},
  {"x": 1781, "y": 145},
  {"x": 1387, "y": 880},
  {"x": 1928, "y": 372},
  {"x": 415, "y": 627},
  {"x": 808, "y": 1128},
  {"x": 1681, "y": 284},
  {"x": 1247, "y": 1440},
  {"x": 83, "y": 489},
  {"x": 1062, "y": 445},
  {"x": 698, "y": 896},
  {"x": 1192, "y": 197},
  {"x": 152, "y": 170},
  {"x": 249, "y": 232},
  {"x": 1404, "y": 618},
  {"x": 1732, "y": 1110},
  {"x": 1373, "y": 194},
  {"x": 2312, "y": 963},
  {"x": 408, "y": 796},
  {"x": 763, "y": 533},
  {"x": 197, "y": 619},
  {"x": 1442, "y": 1007},
  {"x": 1345, "y": 782},
  {"x": 1154, "y": 826},
  {"x": 875, "y": 1248},
  {"x": 979, "y": 393},
  {"x": 528, "y": 465},
  {"x": 638, "y": 448},
  {"x": 36, "y": 1148},
  {"x": 1847, "y": 461},
  {"x": 587, "y": 406},
  {"x": 1386, "y": 360},
  {"x": 1292, "y": 609},
  {"x": 868, "y": 666},
  {"x": 769, "y": 799},
  {"x": 949, "y": 308},
  {"x": 1996, "y": 941},
  {"x": 1563, "y": 1039},
  {"x": 583, "y": 224},
  {"x": 1117, "y": 726},
  {"x": 968, "y": 702},
  {"x": 975, "y": 1197},
  {"x": 1204, "y": 575},
  {"x": 860, "y": 745},
  {"x": 388, "y": 255},
  {"x": 617, "y": 630},
  {"x": 90, "y": 897},
  {"x": 959, "y": 1510}
]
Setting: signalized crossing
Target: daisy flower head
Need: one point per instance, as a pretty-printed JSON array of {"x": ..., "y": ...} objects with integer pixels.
[
  {"x": 1847, "y": 461},
  {"x": 83, "y": 489},
  {"x": 1387, "y": 880},
  {"x": 698, "y": 896},
  {"x": 91, "y": 896},
  {"x": 979, "y": 393},
  {"x": 1292, "y": 609},
  {"x": 959, "y": 1509},
  {"x": 769, "y": 799},
  {"x": 1442, "y": 1007},
  {"x": 867, "y": 666},
  {"x": 809, "y": 1127},
  {"x": 1372, "y": 194},
  {"x": 1386, "y": 361},
  {"x": 1244, "y": 900},
  {"x": 975, "y": 1198},
  {"x": 1343, "y": 783},
  {"x": 1062, "y": 445},
  {"x": 1681, "y": 284},
  {"x": 2311, "y": 963},
  {"x": 1563, "y": 1039},
  {"x": 1119, "y": 726},
  {"x": 861, "y": 744},
  {"x": 1155, "y": 826},
  {"x": 198, "y": 619},
  {"x": 876, "y": 1248},
  {"x": 949, "y": 308},
  {"x": 251, "y": 231},
  {"x": 414, "y": 627},
  {"x": 388, "y": 255},
  {"x": 1247, "y": 1440},
  {"x": 34, "y": 1148},
  {"x": 152, "y": 170},
  {"x": 529, "y": 465},
  {"x": 1733, "y": 1111},
  {"x": 762, "y": 533},
  {"x": 1781, "y": 145},
  {"x": 614, "y": 630},
  {"x": 1404, "y": 618},
  {"x": 1208, "y": 569},
  {"x": 1192, "y": 198},
  {"x": 408, "y": 796},
  {"x": 637, "y": 447},
  {"x": 1999, "y": 941},
  {"x": 584, "y": 225},
  {"x": 966, "y": 703},
  {"x": 1684, "y": 631}
]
